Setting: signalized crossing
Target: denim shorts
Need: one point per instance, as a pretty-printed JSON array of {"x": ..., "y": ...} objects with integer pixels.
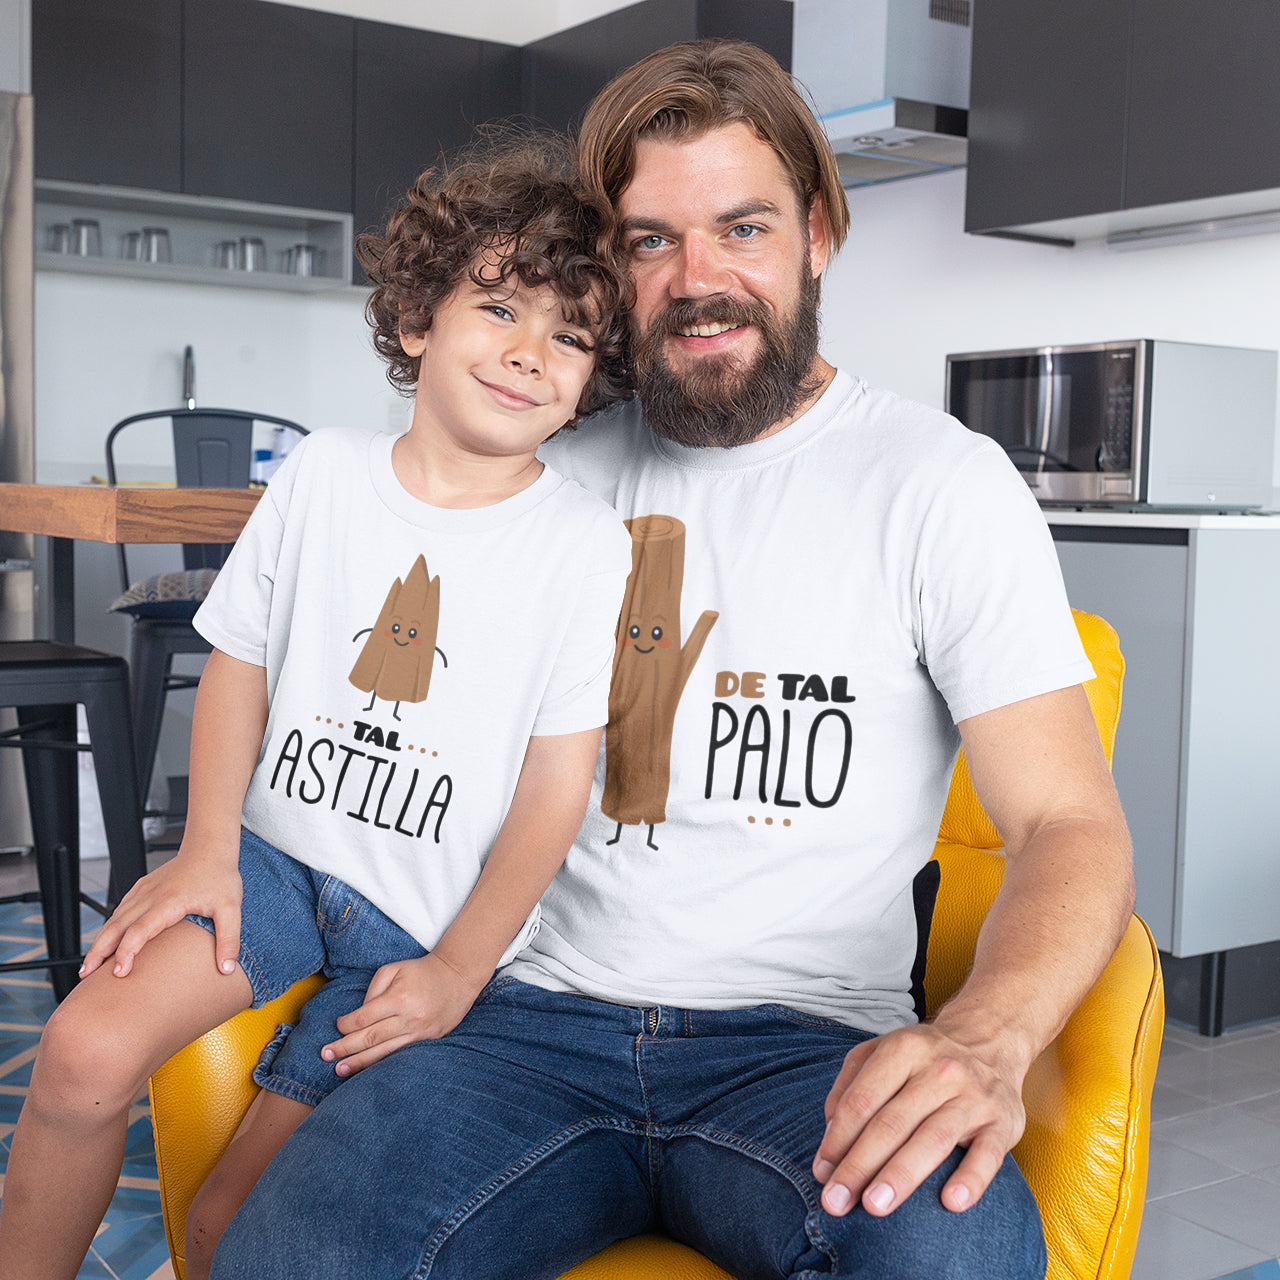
[{"x": 294, "y": 922}]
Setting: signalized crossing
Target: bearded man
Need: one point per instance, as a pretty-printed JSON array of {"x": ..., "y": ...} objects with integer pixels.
[{"x": 716, "y": 1033}]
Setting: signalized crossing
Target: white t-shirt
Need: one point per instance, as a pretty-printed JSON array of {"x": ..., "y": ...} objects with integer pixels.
[
  {"x": 411, "y": 652},
  {"x": 876, "y": 573}
]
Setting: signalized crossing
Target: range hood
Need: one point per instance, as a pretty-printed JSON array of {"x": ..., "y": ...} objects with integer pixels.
[{"x": 890, "y": 79}]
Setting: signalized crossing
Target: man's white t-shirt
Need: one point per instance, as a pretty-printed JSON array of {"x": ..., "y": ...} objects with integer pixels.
[
  {"x": 411, "y": 652},
  {"x": 858, "y": 583}
]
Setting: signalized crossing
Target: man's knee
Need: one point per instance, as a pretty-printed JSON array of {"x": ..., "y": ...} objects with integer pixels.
[{"x": 1000, "y": 1235}]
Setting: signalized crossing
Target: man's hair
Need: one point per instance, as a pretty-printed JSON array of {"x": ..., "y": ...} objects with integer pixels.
[
  {"x": 688, "y": 89},
  {"x": 507, "y": 211}
]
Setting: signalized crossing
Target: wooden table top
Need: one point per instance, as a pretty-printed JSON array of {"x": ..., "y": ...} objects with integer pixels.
[{"x": 120, "y": 513}]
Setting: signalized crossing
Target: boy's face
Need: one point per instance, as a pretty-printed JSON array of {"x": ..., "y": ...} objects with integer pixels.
[{"x": 501, "y": 368}]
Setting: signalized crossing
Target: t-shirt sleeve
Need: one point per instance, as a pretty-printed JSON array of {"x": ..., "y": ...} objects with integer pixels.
[
  {"x": 994, "y": 623},
  {"x": 236, "y": 613},
  {"x": 577, "y": 692}
]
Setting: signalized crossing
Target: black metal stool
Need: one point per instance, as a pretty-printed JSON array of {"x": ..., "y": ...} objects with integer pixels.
[{"x": 44, "y": 680}]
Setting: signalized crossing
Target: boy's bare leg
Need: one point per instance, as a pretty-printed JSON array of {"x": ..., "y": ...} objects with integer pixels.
[
  {"x": 97, "y": 1050},
  {"x": 271, "y": 1118}
]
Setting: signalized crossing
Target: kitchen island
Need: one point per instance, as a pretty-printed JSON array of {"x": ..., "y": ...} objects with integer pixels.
[{"x": 1195, "y": 599}]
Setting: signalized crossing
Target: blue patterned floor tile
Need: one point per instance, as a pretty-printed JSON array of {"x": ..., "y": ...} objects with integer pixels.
[
  {"x": 1259, "y": 1271},
  {"x": 133, "y": 1249},
  {"x": 21, "y": 1003},
  {"x": 93, "y": 1268}
]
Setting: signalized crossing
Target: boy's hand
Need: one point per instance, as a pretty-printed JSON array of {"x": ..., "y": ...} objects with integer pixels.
[
  {"x": 409, "y": 1000},
  {"x": 191, "y": 884}
]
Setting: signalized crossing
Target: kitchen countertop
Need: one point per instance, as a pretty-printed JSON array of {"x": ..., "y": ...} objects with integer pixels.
[{"x": 1163, "y": 519}]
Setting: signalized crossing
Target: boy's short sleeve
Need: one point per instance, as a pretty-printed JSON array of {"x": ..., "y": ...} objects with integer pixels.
[
  {"x": 236, "y": 613},
  {"x": 577, "y": 692}
]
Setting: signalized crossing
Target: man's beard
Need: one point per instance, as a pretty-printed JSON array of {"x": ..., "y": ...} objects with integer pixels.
[{"x": 717, "y": 402}]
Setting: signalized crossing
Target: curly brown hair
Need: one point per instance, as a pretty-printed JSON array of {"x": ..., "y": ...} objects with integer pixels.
[{"x": 516, "y": 194}]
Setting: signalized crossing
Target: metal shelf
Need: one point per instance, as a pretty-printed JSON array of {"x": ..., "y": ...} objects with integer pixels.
[{"x": 195, "y": 226}]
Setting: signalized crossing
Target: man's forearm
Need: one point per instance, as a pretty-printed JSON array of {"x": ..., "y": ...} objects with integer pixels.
[
  {"x": 1064, "y": 905},
  {"x": 902, "y": 1102}
]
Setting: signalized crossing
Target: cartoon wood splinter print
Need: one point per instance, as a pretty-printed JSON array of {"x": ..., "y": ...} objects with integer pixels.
[
  {"x": 395, "y": 663},
  {"x": 650, "y": 670}
]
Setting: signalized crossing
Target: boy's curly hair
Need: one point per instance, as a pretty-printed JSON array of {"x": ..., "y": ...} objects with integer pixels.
[{"x": 516, "y": 193}]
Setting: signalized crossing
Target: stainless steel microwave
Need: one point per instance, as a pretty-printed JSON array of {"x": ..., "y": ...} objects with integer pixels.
[{"x": 1139, "y": 423}]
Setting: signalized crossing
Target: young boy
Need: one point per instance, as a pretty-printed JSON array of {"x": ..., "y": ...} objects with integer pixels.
[{"x": 413, "y": 640}]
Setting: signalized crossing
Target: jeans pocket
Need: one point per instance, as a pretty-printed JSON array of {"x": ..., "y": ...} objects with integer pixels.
[
  {"x": 817, "y": 1020},
  {"x": 337, "y": 907},
  {"x": 492, "y": 988}
]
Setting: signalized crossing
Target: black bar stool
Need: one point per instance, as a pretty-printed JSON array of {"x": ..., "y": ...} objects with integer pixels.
[{"x": 44, "y": 680}]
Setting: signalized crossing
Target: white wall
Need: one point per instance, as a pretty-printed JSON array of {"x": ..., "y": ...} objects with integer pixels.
[
  {"x": 910, "y": 286},
  {"x": 107, "y": 347}
]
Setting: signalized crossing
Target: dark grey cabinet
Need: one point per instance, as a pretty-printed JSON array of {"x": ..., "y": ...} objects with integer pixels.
[
  {"x": 1046, "y": 111},
  {"x": 108, "y": 89},
  {"x": 267, "y": 103},
  {"x": 278, "y": 104},
  {"x": 1091, "y": 107},
  {"x": 418, "y": 94},
  {"x": 563, "y": 72},
  {"x": 1204, "y": 103}
]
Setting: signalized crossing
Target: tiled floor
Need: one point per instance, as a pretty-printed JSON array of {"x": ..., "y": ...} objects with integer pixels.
[
  {"x": 1213, "y": 1195},
  {"x": 1213, "y": 1198}
]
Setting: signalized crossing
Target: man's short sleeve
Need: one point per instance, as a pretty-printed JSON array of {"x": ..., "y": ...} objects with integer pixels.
[{"x": 994, "y": 623}]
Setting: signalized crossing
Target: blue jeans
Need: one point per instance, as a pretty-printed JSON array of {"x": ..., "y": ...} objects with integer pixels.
[
  {"x": 296, "y": 921},
  {"x": 546, "y": 1126}
]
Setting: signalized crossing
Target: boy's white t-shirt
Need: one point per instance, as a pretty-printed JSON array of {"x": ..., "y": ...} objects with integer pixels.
[
  {"x": 876, "y": 573},
  {"x": 403, "y": 800}
]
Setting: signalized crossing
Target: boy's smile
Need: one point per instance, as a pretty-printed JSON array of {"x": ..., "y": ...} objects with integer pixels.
[{"x": 501, "y": 370}]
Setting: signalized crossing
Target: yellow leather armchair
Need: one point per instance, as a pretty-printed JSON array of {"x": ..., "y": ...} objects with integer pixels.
[{"x": 1088, "y": 1097}]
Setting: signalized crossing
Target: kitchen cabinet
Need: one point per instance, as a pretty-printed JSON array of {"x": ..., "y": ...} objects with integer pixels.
[
  {"x": 1204, "y": 100},
  {"x": 1191, "y": 598},
  {"x": 1046, "y": 111},
  {"x": 283, "y": 106},
  {"x": 267, "y": 103},
  {"x": 564, "y": 71},
  {"x": 417, "y": 94},
  {"x": 107, "y": 79},
  {"x": 1095, "y": 119}
]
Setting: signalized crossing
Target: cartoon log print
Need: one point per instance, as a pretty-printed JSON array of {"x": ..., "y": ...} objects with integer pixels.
[
  {"x": 650, "y": 670},
  {"x": 395, "y": 663}
]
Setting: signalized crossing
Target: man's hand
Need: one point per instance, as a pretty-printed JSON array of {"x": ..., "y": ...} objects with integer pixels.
[
  {"x": 409, "y": 1000},
  {"x": 191, "y": 884},
  {"x": 903, "y": 1102},
  {"x": 900, "y": 1106}
]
